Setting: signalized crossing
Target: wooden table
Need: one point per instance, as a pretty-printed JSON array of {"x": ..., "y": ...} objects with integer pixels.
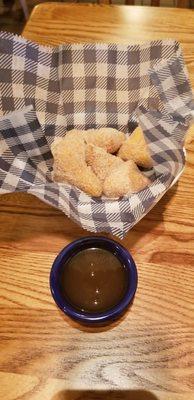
[{"x": 148, "y": 354}]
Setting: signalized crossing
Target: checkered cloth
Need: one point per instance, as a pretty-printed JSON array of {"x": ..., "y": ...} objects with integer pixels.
[{"x": 46, "y": 91}]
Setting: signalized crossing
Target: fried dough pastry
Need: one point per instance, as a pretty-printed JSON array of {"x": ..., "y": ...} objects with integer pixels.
[
  {"x": 135, "y": 148},
  {"x": 101, "y": 162},
  {"x": 108, "y": 138},
  {"x": 70, "y": 165},
  {"x": 69, "y": 151},
  {"x": 124, "y": 179}
]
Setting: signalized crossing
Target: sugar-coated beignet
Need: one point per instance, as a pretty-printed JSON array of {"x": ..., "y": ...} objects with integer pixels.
[
  {"x": 108, "y": 138},
  {"x": 125, "y": 179},
  {"x": 70, "y": 165},
  {"x": 135, "y": 148},
  {"x": 100, "y": 161}
]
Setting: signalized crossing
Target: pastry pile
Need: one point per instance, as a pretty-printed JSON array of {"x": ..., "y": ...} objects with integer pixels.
[{"x": 102, "y": 161}]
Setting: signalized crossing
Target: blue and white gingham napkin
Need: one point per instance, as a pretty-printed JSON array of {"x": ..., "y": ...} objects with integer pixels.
[{"x": 46, "y": 91}]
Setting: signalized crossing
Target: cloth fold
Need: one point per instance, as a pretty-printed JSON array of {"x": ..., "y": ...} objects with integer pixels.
[{"x": 47, "y": 91}]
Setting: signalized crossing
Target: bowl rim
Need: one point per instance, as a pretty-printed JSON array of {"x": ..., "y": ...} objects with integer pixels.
[{"x": 121, "y": 252}]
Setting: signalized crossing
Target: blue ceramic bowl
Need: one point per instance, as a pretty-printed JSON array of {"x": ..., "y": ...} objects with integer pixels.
[{"x": 81, "y": 244}]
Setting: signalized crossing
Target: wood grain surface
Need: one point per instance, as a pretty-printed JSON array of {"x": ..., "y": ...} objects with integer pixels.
[{"x": 147, "y": 355}]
